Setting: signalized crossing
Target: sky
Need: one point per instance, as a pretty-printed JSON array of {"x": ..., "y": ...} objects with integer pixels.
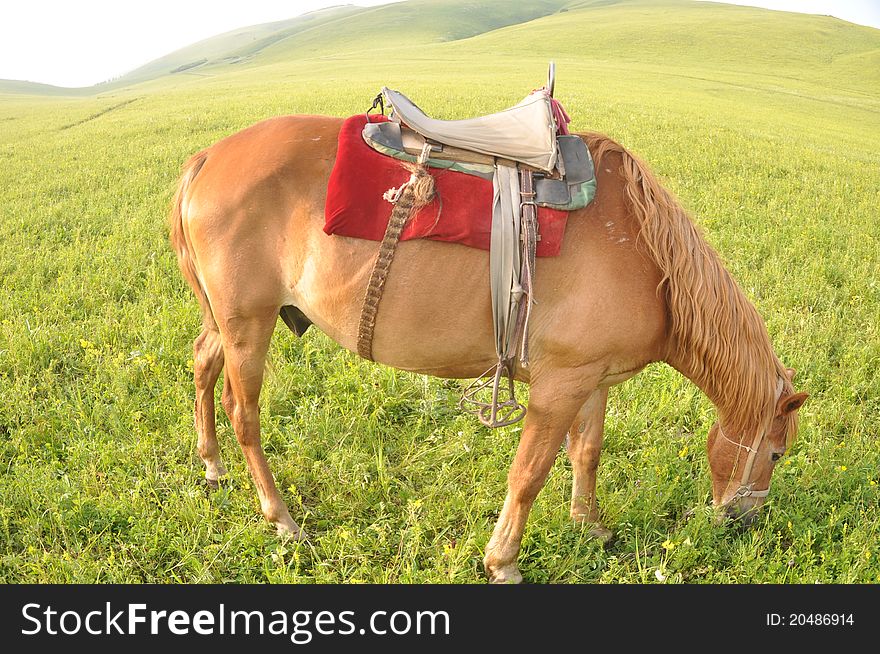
[{"x": 83, "y": 42}]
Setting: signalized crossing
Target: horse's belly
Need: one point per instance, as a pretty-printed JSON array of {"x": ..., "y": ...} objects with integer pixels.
[{"x": 435, "y": 315}]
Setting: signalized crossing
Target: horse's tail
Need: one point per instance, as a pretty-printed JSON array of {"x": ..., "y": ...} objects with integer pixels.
[{"x": 177, "y": 235}]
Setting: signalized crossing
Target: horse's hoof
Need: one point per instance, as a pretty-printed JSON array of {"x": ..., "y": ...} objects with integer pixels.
[
  {"x": 603, "y": 535},
  {"x": 597, "y": 531},
  {"x": 502, "y": 574},
  {"x": 506, "y": 575},
  {"x": 291, "y": 532},
  {"x": 213, "y": 475}
]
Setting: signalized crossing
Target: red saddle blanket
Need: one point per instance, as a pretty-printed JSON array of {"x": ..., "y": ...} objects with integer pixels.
[{"x": 355, "y": 206}]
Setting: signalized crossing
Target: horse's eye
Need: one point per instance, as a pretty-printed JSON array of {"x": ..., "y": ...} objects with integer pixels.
[{"x": 776, "y": 456}]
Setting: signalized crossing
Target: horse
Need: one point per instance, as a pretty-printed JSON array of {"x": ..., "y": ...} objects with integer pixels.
[{"x": 635, "y": 283}]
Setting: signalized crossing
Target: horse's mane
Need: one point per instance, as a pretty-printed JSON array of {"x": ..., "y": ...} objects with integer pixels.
[{"x": 717, "y": 335}]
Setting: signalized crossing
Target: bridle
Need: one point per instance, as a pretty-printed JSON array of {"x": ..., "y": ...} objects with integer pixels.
[{"x": 745, "y": 488}]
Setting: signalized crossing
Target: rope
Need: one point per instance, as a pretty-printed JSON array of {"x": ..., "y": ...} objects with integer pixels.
[
  {"x": 745, "y": 447},
  {"x": 407, "y": 199}
]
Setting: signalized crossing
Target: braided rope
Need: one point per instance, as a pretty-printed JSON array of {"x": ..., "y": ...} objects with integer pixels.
[
  {"x": 402, "y": 209},
  {"x": 409, "y": 198}
]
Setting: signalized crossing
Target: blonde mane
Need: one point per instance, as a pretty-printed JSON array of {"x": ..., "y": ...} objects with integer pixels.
[{"x": 717, "y": 337}]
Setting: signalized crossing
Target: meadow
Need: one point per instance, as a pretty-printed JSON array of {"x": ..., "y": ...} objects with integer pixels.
[{"x": 766, "y": 126}]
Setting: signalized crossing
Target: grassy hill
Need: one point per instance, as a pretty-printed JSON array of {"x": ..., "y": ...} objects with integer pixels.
[
  {"x": 343, "y": 28},
  {"x": 233, "y": 47},
  {"x": 765, "y": 124},
  {"x": 380, "y": 31},
  {"x": 701, "y": 35},
  {"x": 679, "y": 34},
  {"x": 19, "y": 87}
]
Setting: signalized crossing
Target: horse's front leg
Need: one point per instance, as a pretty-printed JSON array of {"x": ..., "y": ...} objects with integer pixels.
[
  {"x": 584, "y": 445},
  {"x": 549, "y": 415}
]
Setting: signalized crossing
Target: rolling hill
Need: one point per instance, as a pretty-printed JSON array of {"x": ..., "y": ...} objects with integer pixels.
[
  {"x": 344, "y": 28},
  {"x": 666, "y": 34}
]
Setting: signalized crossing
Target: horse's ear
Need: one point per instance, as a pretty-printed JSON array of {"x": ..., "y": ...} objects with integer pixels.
[
  {"x": 789, "y": 372},
  {"x": 790, "y": 403}
]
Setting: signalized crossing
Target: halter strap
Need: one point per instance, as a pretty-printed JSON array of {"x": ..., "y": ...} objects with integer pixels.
[{"x": 745, "y": 488}]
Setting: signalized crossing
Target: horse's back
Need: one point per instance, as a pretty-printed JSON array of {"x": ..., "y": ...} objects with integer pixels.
[{"x": 276, "y": 150}]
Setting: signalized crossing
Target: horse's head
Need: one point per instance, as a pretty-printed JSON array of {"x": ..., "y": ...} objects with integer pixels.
[{"x": 742, "y": 461}]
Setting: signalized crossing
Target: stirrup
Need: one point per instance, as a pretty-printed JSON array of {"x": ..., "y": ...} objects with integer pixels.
[{"x": 504, "y": 409}]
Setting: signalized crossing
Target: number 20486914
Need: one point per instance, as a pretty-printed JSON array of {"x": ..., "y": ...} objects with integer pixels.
[{"x": 810, "y": 620}]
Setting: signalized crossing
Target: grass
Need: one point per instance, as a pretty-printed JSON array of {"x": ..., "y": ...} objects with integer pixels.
[{"x": 776, "y": 156}]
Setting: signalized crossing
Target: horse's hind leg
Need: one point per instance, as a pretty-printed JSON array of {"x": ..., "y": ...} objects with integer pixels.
[
  {"x": 207, "y": 364},
  {"x": 549, "y": 415},
  {"x": 245, "y": 344},
  {"x": 584, "y": 445}
]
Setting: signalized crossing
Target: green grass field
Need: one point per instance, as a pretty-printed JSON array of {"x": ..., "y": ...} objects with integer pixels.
[{"x": 765, "y": 124}]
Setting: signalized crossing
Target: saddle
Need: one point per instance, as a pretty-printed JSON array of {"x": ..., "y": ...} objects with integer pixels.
[
  {"x": 569, "y": 184},
  {"x": 532, "y": 160}
]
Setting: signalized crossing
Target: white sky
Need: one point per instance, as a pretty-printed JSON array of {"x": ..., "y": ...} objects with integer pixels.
[
  {"x": 83, "y": 42},
  {"x": 863, "y": 12}
]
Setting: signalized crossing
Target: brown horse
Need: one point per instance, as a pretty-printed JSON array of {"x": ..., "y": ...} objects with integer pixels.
[{"x": 635, "y": 283}]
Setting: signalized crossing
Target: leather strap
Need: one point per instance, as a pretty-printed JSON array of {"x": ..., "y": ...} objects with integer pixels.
[
  {"x": 529, "y": 231},
  {"x": 504, "y": 259},
  {"x": 512, "y": 267}
]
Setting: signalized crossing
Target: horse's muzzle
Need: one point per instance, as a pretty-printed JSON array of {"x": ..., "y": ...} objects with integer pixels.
[{"x": 742, "y": 516}]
